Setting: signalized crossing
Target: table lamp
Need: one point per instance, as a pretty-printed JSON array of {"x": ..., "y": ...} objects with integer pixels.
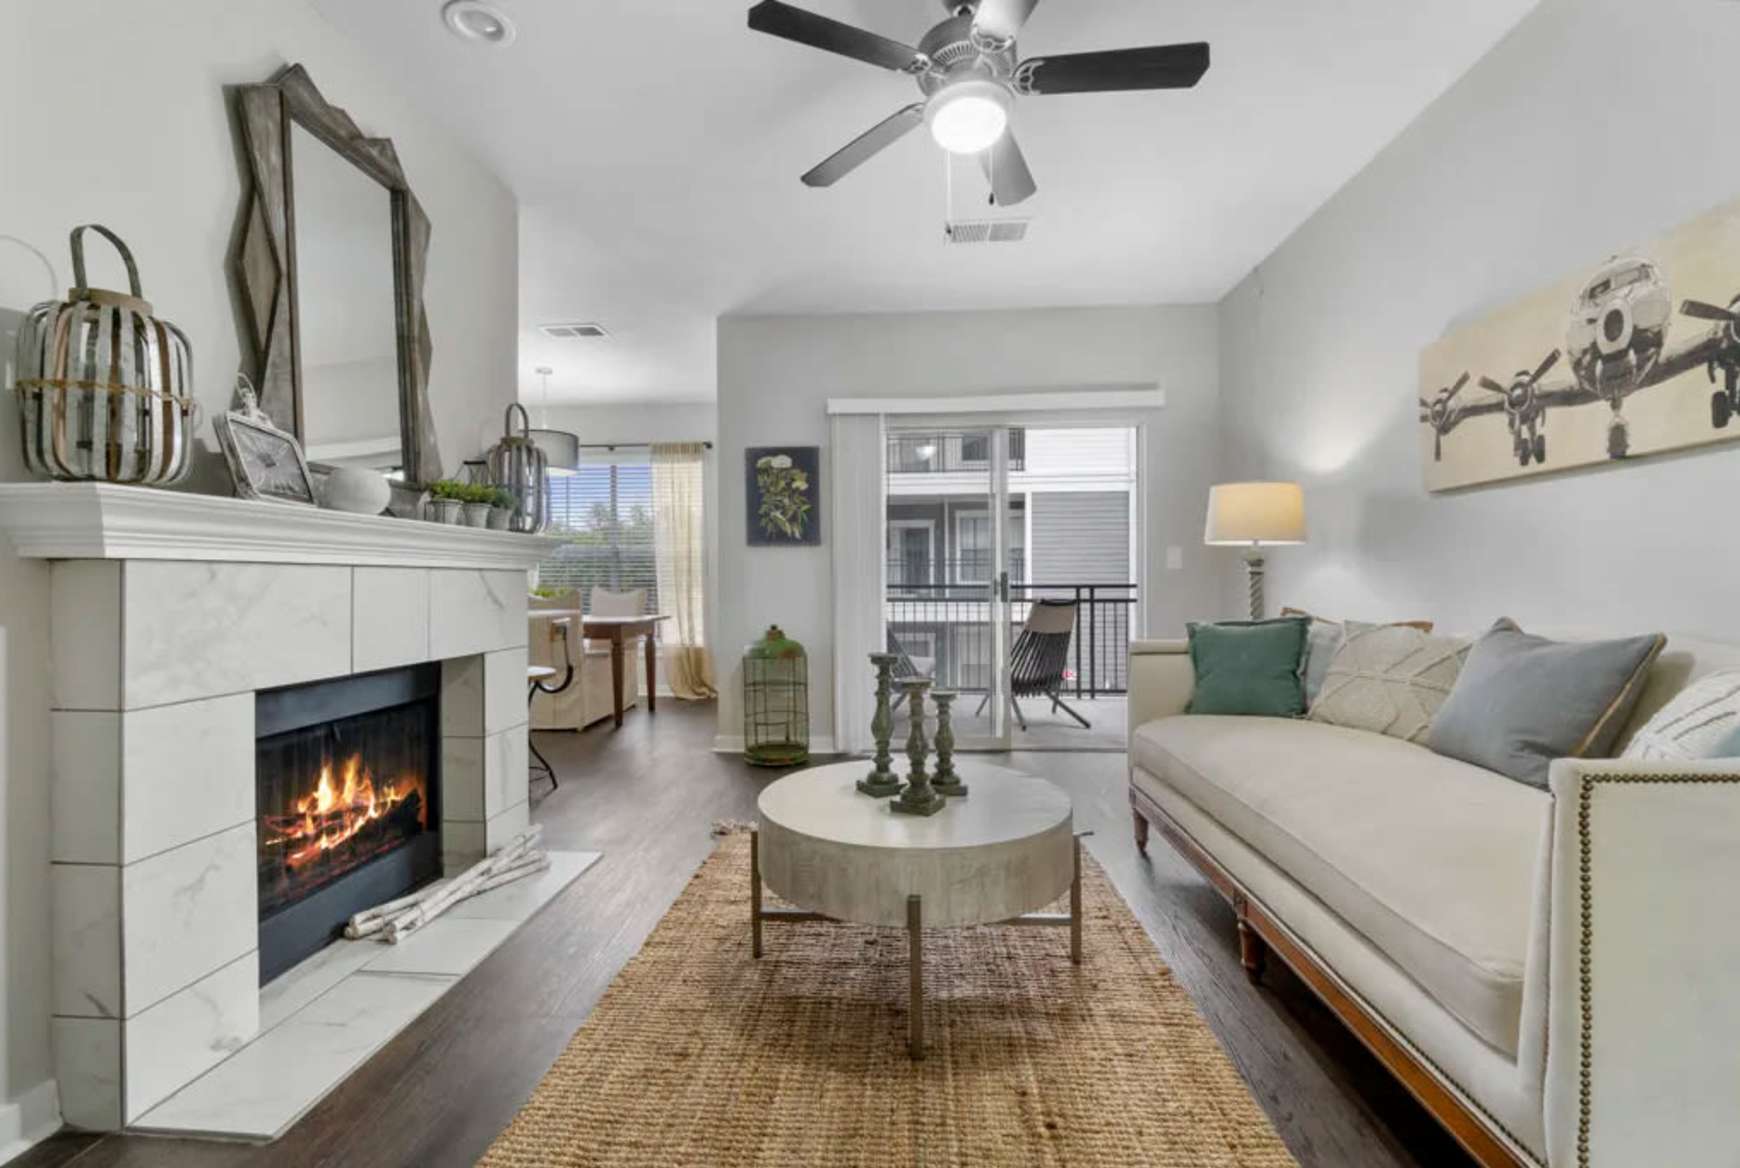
[{"x": 1255, "y": 516}]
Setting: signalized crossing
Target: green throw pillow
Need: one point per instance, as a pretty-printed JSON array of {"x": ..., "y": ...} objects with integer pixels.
[{"x": 1249, "y": 667}]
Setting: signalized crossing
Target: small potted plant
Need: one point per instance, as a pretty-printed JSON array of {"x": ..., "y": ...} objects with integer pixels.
[
  {"x": 501, "y": 513},
  {"x": 447, "y": 501},
  {"x": 478, "y": 500}
]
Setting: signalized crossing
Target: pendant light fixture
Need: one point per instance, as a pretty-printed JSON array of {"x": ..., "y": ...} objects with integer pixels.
[{"x": 561, "y": 447}]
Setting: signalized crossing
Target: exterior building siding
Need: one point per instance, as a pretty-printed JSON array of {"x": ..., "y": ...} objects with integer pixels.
[{"x": 1081, "y": 536}]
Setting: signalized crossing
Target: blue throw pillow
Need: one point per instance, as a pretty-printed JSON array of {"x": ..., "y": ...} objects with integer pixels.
[{"x": 1249, "y": 667}]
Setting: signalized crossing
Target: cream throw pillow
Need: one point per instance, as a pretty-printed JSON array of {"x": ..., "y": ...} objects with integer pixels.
[
  {"x": 1389, "y": 679},
  {"x": 1698, "y": 723}
]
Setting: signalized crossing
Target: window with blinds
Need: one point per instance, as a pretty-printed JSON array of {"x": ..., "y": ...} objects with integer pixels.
[{"x": 604, "y": 515}]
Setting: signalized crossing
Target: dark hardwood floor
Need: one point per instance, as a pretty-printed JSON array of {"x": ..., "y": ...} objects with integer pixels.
[{"x": 646, "y": 796}]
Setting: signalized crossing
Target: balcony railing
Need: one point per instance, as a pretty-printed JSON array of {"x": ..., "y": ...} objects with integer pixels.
[
  {"x": 946, "y": 630},
  {"x": 966, "y": 577},
  {"x": 947, "y": 453}
]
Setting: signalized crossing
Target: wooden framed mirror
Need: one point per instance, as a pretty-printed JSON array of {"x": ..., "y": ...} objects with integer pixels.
[{"x": 333, "y": 256}]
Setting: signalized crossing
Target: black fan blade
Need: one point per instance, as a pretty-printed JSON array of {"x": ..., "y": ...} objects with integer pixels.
[
  {"x": 1002, "y": 19},
  {"x": 1160, "y": 67},
  {"x": 1546, "y": 366},
  {"x": 1460, "y": 383},
  {"x": 1425, "y": 410},
  {"x": 1006, "y": 168},
  {"x": 866, "y": 145},
  {"x": 1698, "y": 310},
  {"x": 806, "y": 28},
  {"x": 1492, "y": 386}
]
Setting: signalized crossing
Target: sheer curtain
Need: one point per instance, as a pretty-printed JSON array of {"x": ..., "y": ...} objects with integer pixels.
[
  {"x": 856, "y": 451},
  {"x": 680, "y": 554}
]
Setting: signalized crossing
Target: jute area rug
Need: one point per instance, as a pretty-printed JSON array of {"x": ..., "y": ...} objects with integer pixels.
[{"x": 698, "y": 1055}]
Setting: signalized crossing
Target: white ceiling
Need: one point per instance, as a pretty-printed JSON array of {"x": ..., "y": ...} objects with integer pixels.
[{"x": 656, "y": 146}]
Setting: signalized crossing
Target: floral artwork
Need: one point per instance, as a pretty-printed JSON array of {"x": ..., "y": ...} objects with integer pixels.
[{"x": 784, "y": 488}]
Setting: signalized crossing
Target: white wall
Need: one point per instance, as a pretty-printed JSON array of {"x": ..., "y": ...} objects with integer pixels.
[
  {"x": 1587, "y": 130},
  {"x": 652, "y": 422},
  {"x": 776, "y": 374},
  {"x": 116, "y": 114}
]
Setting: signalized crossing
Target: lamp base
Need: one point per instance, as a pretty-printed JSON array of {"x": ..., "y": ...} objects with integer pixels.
[{"x": 1254, "y": 576}]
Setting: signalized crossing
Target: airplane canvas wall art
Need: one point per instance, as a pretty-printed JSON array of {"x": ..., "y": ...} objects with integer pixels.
[{"x": 1636, "y": 356}]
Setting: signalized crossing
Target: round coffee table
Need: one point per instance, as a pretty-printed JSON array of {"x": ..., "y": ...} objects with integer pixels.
[{"x": 993, "y": 856}]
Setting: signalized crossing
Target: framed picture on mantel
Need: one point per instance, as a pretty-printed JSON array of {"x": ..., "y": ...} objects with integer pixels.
[{"x": 784, "y": 495}]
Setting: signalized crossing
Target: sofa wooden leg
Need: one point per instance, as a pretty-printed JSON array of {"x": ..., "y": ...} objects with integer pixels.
[
  {"x": 1140, "y": 822},
  {"x": 1253, "y": 952}
]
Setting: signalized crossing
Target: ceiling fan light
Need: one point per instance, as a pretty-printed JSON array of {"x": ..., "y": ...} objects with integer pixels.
[{"x": 969, "y": 116}]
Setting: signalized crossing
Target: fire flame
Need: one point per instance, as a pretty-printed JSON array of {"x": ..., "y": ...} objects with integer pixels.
[{"x": 339, "y": 807}]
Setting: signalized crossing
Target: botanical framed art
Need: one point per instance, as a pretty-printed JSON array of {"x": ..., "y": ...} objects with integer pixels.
[
  {"x": 784, "y": 494},
  {"x": 1635, "y": 356}
]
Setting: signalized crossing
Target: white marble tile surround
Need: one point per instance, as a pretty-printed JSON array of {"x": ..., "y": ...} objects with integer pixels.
[
  {"x": 321, "y": 1020},
  {"x": 155, "y": 666}
]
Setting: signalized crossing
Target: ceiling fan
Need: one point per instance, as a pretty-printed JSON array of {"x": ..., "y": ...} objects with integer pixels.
[{"x": 970, "y": 74}]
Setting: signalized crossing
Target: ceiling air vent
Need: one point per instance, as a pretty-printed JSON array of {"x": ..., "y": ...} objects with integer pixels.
[
  {"x": 574, "y": 331},
  {"x": 987, "y": 230}
]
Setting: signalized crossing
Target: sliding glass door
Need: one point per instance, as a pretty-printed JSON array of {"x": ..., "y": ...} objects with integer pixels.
[{"x": 954, "y": 544}]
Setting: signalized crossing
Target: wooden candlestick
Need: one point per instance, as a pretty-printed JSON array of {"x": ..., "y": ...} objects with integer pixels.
[
  {"x": 882, "y": 781},
  {"x": 919, "y": 797},
  {"x": 946, "y": 779}
]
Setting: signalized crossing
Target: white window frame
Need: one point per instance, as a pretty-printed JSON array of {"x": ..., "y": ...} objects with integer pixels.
[
  {"x": 974, "y": 511},
  {"x": 929, "y": 526},
  {"x": 960, "y": 557}
]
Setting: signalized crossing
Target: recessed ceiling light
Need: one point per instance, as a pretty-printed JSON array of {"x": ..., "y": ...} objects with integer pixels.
[{"x": 474, "y": 20}]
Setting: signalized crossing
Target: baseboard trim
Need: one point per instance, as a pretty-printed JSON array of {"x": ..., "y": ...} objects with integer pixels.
[{"x": 29, "y": 1119}]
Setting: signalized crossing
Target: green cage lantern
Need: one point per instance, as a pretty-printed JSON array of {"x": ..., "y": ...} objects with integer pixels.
[{"x": 776, "y": 701}]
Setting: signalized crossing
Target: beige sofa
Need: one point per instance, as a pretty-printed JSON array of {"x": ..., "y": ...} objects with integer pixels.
[{"x": 1550, "y": 972}]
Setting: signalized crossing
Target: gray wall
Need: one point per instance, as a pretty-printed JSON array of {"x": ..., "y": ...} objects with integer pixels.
[
  {"x": 776, "y": 374},
  {"x": 1588, "y": 130},
  {"x": 115, "y": 114}
]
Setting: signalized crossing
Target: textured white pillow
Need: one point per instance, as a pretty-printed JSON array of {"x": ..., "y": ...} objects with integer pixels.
[
  {"x": 1389, "y": 679},
  {"x": 1699, "y": 722}
]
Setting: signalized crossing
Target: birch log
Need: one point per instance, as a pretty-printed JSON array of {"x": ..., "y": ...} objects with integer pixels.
[{"x": 516, "y": 859}]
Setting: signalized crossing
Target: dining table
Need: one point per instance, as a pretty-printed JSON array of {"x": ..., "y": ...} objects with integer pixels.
[{"x": 618, "y": 630}]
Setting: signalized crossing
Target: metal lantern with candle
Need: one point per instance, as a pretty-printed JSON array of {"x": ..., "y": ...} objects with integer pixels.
[
  {"x": 776, "y": 701},
  {"x": 105, "y": 388},
  {"x": 516, "y": 464}
]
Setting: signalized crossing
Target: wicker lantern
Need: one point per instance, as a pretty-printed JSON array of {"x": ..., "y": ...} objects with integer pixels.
[
  {"x": 105, "y": 389},
  {"x": 776, "y": 701},
  {"x": 516, "y": 464}
]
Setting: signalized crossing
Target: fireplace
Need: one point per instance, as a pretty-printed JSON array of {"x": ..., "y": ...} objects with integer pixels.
[{"x": 347, "y": 781}]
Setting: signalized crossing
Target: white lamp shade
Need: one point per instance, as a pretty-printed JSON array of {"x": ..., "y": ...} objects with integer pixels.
[
  {"x": 1255, "y": 515},
  {"x": 561, "y": 449}
]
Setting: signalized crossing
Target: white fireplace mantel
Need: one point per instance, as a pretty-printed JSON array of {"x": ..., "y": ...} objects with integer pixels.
[
  {"x": 168, "y": 613},
  {"x": 104, "y": 521}
]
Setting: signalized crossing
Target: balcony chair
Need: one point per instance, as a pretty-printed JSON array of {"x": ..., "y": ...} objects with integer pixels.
[
  {"x": 906, "y": 666},
  {"x": 1040, "y": 655}
]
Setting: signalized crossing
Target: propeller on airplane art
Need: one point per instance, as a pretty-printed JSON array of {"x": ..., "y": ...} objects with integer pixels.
[
  {"x": 1519, "y": 395},
  {"x": 1440, "y": 412}
]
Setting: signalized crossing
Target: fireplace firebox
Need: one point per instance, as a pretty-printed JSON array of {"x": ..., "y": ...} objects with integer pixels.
[{"x": 348, "y": 790}]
